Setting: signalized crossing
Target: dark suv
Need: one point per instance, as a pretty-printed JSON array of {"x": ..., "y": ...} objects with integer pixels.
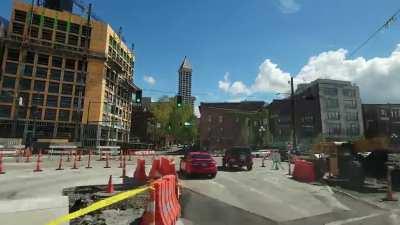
[{"x": 239, "y": 157}]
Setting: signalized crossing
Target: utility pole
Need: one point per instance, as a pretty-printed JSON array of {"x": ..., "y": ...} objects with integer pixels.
[{"x": 293, "y": 115}]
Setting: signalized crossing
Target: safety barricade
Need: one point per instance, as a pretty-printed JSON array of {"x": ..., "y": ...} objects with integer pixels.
[{"x": 303, "y": 171}]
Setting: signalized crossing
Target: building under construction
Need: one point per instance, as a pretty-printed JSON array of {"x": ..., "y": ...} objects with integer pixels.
[{"x": 65, "y": 75}]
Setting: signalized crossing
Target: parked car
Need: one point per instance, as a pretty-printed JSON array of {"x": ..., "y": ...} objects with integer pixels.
[
  {"x": 198, "y": 163},
  {"x": 238, "y": 157}
]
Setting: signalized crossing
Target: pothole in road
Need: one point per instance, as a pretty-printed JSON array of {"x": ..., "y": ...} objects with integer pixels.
[{"x": 126, "y": 212}]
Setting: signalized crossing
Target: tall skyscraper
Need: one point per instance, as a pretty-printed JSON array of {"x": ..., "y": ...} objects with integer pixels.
[{"x": 185, "y": 82}]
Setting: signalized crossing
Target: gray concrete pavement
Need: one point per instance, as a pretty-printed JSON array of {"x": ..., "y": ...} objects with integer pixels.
[{"x": 33, "y": 198}]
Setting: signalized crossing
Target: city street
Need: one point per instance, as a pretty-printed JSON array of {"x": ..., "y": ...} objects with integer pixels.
[
  {"x": 265, "y": 196},
  {"x": 260, "y": 196}
]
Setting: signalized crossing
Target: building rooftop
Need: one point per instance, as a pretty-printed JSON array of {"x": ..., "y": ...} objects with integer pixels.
[
  {"x": 186, "y": 64},
  {"x": 245, "y": 105}
]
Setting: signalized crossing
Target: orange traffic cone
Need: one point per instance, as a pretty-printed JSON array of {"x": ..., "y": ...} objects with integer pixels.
[
  {"x": 123, "y": 168},
  {"x": 38, "y": 168},
  {"x": 110, "y": 186},
  {"x": 155, "y": 169},
  {"x": 89, "y": 158},
  {"x": 79, "y": 155},
  {"x": 74, "y": 167},
  {"x": 60, "y": 163},
  {"x": 1, "y": 164},
  {"x": 149, "y": 215},
  {"x": 140, "y": 172},
  {"x": 107, "y": 161},
  {"x": 40, "y": 155}
]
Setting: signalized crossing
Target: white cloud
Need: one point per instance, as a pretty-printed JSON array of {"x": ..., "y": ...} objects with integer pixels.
[
  {"x": 235, "y": 88},
  {"x": 149, "y": 79},
  {"x": 378, "y": 78},
  {"x": 289, "y": 6}
]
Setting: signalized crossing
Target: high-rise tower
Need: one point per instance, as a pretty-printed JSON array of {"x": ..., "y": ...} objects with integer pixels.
[{"x": 185, "y": 82}]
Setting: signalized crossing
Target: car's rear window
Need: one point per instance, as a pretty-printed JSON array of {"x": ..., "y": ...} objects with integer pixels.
[
  {"x": 200, "y": 156},
  {"x": 239, "y": 151}
]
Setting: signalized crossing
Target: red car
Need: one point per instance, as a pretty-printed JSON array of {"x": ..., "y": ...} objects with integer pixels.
[{"x": 198, "y": 163}]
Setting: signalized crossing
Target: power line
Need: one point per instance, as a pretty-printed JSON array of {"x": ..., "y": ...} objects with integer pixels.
[{"x": 387, "y": 23}]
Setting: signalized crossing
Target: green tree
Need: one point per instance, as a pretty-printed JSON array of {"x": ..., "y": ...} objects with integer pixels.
[{"x": 179, "y": 123}]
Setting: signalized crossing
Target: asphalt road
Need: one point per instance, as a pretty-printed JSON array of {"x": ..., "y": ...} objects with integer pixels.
[{"x": 265, "y": 196}]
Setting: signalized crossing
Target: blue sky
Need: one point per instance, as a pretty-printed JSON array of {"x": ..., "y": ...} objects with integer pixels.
[{"x": 237, "y": 37}]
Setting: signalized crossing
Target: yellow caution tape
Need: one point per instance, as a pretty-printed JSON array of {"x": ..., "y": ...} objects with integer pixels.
[{"x": 98, "y": 205}]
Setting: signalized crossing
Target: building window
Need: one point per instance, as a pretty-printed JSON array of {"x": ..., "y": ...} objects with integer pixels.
[
  {"x": 34, "y": 32},
  {"x": 65, "y": 102},
  {"x": 18, "y": 28},
  {"x": 41, "y": 72},
  {"x": 7, "y": 96},
  {"x": 55, "y": 74},
  {"x": 350, "y": 103},
  {"x": 50, "y": 114},
  {"x": 5, "y": 111},
  {"x": 37, "y": 99},
  {"x": 395, "y": 113},
  {"x": 56, "y": 61},
  {"x": 28, "y": 71},
  {"x": 330, "y": 91},
  {"x": 74, "y": 28},
  {"x": 20, "y": 15},
  {"x": 333, "y": 128},
  {"x": 48, "y": 22},
  {"x": 36, "y": 19},
  {"x": 333, "y": 115},
  {"x": 36, "y": 113},
  {"x": 8, "y": 82},
  {"x": 69, "y": 76},
  {"x": 383, "y": 113},
  {"x": 62, "y": 25},
  {"x": 13, "y": 54},
  {"x": 43, "y": 59},
  {"x": 53, "y": 87},
  {"x": 79, "y": 89},
  {"x": 60, "y": 37},
  {"x": 308, "y": 119},
  {"x": 73, "y": 40},
  {"x": 67, "y": 89},
  {"x": 25, "y": 84},
  {"x": 353, "y": 130},
  {"x": 70, "y": 64},
  {"x": 11, "y": 68},
  {"x": 220, "y": 119},
  {"x": 47, "y": 34},
  {"x": 332, "y": 103},
  {"x": 352, "y": 116},
  {"x": 349, "y": 92},
  {"x": 52, "y": 100},
  {"x": 63, "y": 115},
  {"x": 80, "y": 78},
  {"x": 30, "y": 57},
  {"x": 39, "y": 85}
]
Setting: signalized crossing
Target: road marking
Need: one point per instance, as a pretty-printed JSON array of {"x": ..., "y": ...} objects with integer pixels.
[{"x": 355, "y": 219}]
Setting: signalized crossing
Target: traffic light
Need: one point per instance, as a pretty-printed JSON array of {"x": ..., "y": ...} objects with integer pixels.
[
  {"x": 138, "y": 97},
  {"x": 179, "y": 101}
]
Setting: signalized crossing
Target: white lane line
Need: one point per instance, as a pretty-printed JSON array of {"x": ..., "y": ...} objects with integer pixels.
[{"x": 355, "y": 219}]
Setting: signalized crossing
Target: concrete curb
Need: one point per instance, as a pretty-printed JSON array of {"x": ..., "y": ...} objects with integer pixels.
[{"x": 342, "y": 192}]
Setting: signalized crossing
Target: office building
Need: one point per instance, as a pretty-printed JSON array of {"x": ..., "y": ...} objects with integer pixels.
[
  {"x": 324, "y": 110},
  {"x": 185, "y": 82},
  {"x": 381, "y": 120},
  {"x": 65, "y": 75}
]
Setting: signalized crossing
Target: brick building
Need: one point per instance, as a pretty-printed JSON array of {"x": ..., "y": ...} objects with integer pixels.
[
  {"x": 223, "y": 125},
  {"x": 65, "y": 76},
  {"x": 381, "y": 120}
]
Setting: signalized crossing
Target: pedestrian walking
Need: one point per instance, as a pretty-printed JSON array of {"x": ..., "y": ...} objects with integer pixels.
[{"x": 276, "y": 160}]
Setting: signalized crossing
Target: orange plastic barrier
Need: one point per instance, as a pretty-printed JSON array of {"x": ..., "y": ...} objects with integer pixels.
[
  {"x": 167, "y": 209},
  {"x": 303, "y": 171}
]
